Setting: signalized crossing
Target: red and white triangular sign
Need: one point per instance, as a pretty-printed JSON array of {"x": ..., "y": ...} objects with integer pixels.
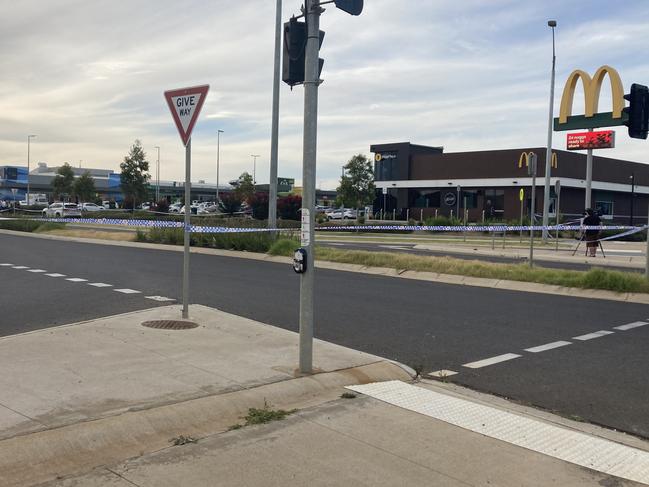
[{"x": 185, "y": 105}]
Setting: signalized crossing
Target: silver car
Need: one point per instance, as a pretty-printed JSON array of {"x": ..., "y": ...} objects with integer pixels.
[{"x": 56, "y": 210}]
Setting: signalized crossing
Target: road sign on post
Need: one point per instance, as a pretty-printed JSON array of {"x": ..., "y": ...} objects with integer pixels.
[{"x": 185, "y": 105}]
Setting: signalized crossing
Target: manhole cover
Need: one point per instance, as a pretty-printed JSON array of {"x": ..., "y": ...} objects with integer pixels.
[{"x": 170, "y": 324}]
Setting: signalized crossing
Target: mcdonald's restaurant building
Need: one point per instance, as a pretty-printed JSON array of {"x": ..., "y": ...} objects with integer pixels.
[{"x": 419, "y": 181}]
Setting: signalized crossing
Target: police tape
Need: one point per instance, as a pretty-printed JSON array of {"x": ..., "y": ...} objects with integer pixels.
[{"x": 355, "y": 228}]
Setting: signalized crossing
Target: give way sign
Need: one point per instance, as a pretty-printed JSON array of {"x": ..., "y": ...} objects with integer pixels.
[{"x": 185, "y": 105}]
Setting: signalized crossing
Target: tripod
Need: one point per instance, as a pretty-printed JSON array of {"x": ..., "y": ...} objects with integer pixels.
[{"x": 599, "y": 243}]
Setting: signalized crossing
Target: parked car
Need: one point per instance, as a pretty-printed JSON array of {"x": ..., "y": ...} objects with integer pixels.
[
  {"x": 175, "y": 207},
  {"x": 342, "y": 214},
  {"x": 56, "y": 210},
  {"x": 91, "y": 207}
]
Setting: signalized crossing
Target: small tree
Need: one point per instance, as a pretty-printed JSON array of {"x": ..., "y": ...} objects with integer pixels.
[
  {"x": 289, "y": 207},
  {"x": 84, "y": 187},
  {"x": 245, "y": 187},
  {"x": 357, "y": 185},
  {"x": 229, "y": 203},
  {"x": 63, "y": 181},
  {"x": 259, "y": 205},
  {"x": 134, "y": 178}
]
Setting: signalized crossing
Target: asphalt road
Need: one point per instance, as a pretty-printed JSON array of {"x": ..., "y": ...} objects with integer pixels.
[{"x": 437, "y": 326}]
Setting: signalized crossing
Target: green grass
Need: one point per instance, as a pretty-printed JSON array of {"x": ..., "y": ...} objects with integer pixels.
[
  {"x": 591, "y": 279},
  {"x": 284, "y": 246},
  {"x": 29, "y": 225}
]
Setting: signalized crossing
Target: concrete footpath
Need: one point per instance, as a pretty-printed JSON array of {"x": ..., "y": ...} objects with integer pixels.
[{"x": 111, "y": 402}]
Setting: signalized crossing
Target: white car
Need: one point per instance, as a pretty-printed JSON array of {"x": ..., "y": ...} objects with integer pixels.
[
  {"x": 344, "y": 214},
  {"x": 175, "y": 207},
  {"x": 56, "y": 210},
  {"x": 91, "y": 207}
]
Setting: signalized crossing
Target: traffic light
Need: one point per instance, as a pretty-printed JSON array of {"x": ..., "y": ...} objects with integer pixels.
[
  {"x": 294, "y": 52},
  {"x": 638, "y": 111}
]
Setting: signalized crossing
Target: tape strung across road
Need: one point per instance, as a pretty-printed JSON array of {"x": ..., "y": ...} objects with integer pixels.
[{"x": 628, "y": 230}]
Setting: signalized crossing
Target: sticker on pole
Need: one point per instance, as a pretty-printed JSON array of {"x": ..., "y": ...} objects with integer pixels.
[{"x": 185, "y": 105}]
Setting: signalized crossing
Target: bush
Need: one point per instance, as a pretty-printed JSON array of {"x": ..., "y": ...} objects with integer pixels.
[
  {"x": 289, "y": 207},
  {"x": 162, "y": 206},
  {"x": 230, "y": 203},
  {"x": 284, "y": 246},
  {"x": 259, "y": 204}
]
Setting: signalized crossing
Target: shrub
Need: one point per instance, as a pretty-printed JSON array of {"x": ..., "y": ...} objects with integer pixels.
[
  {"x": 162, "y": 206},
  {"x": 259, "y": 204},
  {"x": 26, "y": 225},
  {"x": 289, "y": 207},
  {"x": 284, "y": 246},
  {"x": 230, "y": 203}
]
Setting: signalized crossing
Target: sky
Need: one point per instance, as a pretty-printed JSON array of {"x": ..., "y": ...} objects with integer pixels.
[{"x": 87, "y": 78}]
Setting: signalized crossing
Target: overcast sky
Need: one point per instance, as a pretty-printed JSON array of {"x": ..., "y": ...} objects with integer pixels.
[{"x": 88, "y": 78}]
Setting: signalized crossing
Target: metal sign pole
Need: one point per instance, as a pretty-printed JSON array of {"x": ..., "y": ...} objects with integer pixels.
[
  {"x": 532, "y": 163},
  {"x": 557, "y": 210},
  {"x": 646, "y": 270},
  {"x": 311, "y": 82},
  {"x": 188, "y": 191},
  {"x": 272, "y": 190},
  {"x": 589, "y": 176}
]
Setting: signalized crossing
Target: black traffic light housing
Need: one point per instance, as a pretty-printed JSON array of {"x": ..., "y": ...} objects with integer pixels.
[
  {"x": 638, "y": 111},
  {"x": 294, "y": 55}
]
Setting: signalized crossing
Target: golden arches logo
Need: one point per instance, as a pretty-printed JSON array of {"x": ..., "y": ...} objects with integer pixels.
[
  {"x": 526, "y": 156},
  {"x": 592, "y": 89}
]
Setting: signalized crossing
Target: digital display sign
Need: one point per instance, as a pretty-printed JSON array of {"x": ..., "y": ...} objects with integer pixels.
[{"x": 603, "y": 139}]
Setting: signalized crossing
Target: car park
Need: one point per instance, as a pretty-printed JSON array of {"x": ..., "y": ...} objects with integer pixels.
[{"x": 57, "y": 210}]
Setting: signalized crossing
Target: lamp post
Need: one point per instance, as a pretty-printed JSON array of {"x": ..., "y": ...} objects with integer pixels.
[
  {"x": 29, "y": 138},
  {"x": 548, "y": 152},
  {"x": 218, "y": 158},
  {"x": 254, "y": 168},
  {"x": 632, "y": 178},
  {"x": 157, "y": 177},
  {"x": 274, "y": 144}
]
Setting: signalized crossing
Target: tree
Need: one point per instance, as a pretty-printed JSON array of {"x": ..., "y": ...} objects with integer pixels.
[
  {"x": 229, "y": 203},
  {"x": 289, "y": 207},
  {"x": 84, "y": 187},
  {"x": 63, "y": 181},
  {"x": 134, "y": 178},
  {"x": 259, "y": 205},
  {"x": 245, "y": 187},
  {"x": 357, "y": 185}
]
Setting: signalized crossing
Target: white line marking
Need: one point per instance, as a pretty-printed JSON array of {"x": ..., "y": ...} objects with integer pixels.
[
  {"x": 20, "y": 267},
  {"x": 99, "y": 284},
  {"x": 596, "y": 334},
  {"x": 491, "y": 361},
  {"x": 159, "y": 298},
  {"x": 440, "y": 374},
  {"x": 6, "y": 265},
  {"x": 127, "y": 291},
  {"x": 547, "y": 346},
  {"x": 36, "y": 270},
  {"x": 565, "y": 444},
  {"x": 395, "y": 247},
  {"x": 55, "y": 275},
  {"x": 76, "y": 279},
  {"x": 630, "y": 325}
]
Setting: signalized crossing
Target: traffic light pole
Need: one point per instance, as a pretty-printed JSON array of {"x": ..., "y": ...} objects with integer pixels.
[
  {"x": 272, "y": 193},
  {"x": 311, "y": 82},
  {"x": 589, "y": 177}
]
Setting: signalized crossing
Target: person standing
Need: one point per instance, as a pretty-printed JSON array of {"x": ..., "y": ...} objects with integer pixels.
[{"x": 591, "y": 235}]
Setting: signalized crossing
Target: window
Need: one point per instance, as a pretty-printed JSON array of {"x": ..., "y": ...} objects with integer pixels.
[
  {"x": 494, "y": 198},
  {"x": 471, "y": 198},
  {"x": 605, "y": 209},
  {"x": 423, "y": 198}
]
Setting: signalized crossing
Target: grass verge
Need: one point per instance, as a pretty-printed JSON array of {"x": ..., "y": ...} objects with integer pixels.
[
  {"x": 592, "y": 279},
  {"x": 28, "y": 225}
]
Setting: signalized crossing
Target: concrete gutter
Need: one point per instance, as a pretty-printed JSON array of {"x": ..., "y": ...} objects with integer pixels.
[{"x": 640, "y": 298}]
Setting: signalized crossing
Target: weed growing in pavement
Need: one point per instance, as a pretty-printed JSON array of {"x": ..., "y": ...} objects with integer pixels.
[
  {"x": 266, "y": 414},
  {"x": 348, "y": 395},
  {"x": 182, "y": 440},
  {"x": 235, "y": 427},
  {"x": 418, "y": 368}
]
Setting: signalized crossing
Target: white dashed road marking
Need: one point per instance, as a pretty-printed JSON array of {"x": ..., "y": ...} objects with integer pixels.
[
  {"x": 20, "y": 267},
  {"x": 490, "y": 361},
  {"x": 37, "y": 270},
  {"x": 630, "y": 325},
  {"x": 547, "y": 346},
  {"x": 55, "y": 275},
  {"x": 6, "y": 265},
  {"x": 590, "y": 336},
  {"x": 76, "y": 279},
  {"x": 554, "y": 441},
  {"x": 440, "y": 374},
  {"x": 127, "y": 291},
  {"x": 159, "y": 298},
  {"x": 99, "y": 284}
]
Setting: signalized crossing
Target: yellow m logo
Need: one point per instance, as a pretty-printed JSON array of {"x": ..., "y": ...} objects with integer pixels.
[
  {"x": 526, "y": 156},
  {"x": 592, "y": 89}
]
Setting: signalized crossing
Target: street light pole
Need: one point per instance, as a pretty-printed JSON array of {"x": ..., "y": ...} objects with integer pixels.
[
  {"x": 632, "y": 178},
  {"x": 274, "y": 138},
  {"x": 254, "y": 168},
  {"x": 29, "y": 138},
  {"x": 548, "y": 152},
  {"x": 157, "y": 175},
  {"x": 218, "y": 157}
]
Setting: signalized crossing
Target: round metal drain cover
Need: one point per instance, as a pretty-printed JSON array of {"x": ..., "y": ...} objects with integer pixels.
[{"x": 170, "y": 324}]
